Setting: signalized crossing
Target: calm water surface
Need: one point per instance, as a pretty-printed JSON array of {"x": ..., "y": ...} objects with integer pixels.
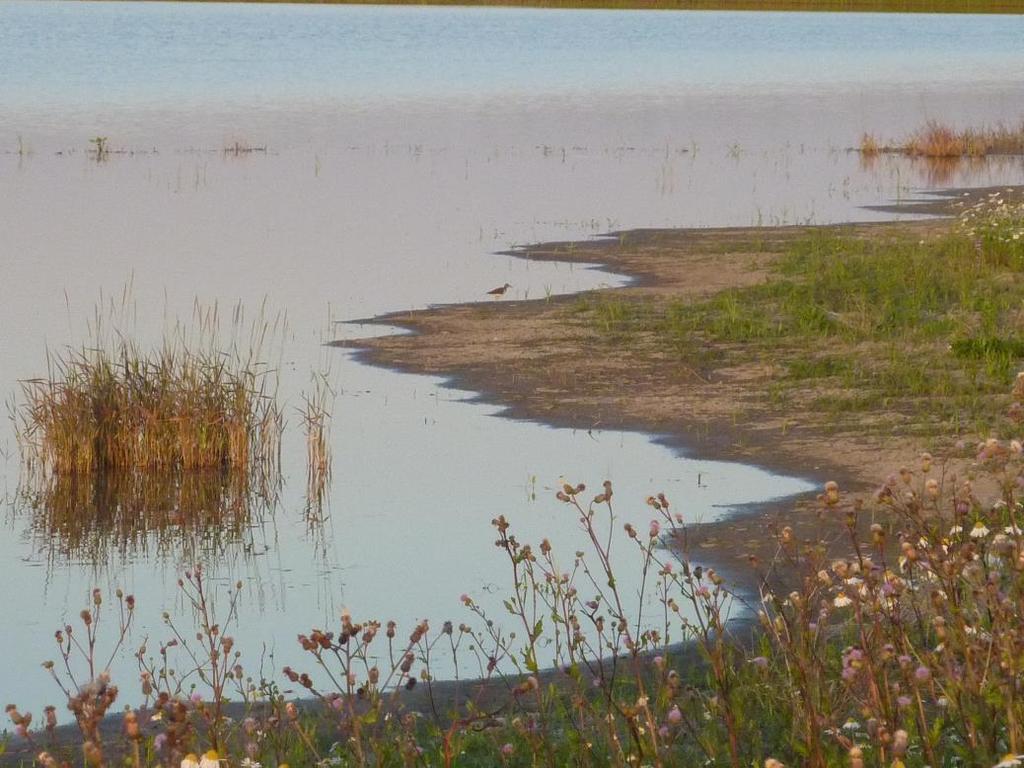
[{"x": 404, "y": 147}]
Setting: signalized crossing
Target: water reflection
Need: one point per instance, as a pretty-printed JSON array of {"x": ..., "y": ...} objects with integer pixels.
[
  {"x": 939, "y": 172},
  {"x": 178, "y": 517}
]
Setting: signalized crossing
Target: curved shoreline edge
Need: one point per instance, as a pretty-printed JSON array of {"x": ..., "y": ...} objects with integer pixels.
[{"x": 474, "y": 346}]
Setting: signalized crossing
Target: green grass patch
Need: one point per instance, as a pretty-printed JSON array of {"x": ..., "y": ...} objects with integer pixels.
[{"x": 927, "y": 328}]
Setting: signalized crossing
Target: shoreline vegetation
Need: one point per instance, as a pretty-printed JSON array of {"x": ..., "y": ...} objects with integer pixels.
[
  {"x": 937, "y": 141},
  {"x": 867, "y": 334},
  {"x": 857, "y": 6}
]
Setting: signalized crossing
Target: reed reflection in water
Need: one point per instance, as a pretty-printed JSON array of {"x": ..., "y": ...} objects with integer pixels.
[
  {"x": 179, "y": 517},
  {"x": 947, "y": 172}
]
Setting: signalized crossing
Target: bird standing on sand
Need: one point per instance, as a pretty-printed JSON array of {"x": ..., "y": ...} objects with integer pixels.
[{"x": 499, "y": 291}]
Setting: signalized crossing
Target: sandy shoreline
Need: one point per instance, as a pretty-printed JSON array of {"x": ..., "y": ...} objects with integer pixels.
[{"x": 529, "y": 358}]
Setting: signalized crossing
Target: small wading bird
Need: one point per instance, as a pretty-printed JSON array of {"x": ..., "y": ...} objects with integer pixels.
[{"x": 499, "y": 291}]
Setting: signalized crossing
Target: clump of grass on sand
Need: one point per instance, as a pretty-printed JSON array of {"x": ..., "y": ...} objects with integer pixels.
[
  {"x": 881, "y": 334},
  {"x": 937, "y": 140},
  {"x": 189, "y": 405}
]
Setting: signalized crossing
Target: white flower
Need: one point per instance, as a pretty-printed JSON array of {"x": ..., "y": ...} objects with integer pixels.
[
  {"x": 956, "y": 530},
  {"x": 842, "y": 600},
  {"x": 249, "y": 763},
  {"x": 190, "y": 761},
  {"x": 979, "y": 531},
  {"x": 1012, "y": 530},
  {"x": 851, "y": 725},
  {"x": 210, "y": 760},
  {"x": 1009, "y": 761}
]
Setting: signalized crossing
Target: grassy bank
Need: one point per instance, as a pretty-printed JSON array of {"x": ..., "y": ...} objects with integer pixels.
[
  {"x": 881, "y": 6},
  {"x": 885, "y": 335}
]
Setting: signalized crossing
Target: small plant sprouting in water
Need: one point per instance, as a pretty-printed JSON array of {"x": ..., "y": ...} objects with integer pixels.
[
  {"x": 869, "y": 146},
  {"x": 239, "y": 148},
  {"x": 316, "y": 415},
  {"x": 100, "y": 150}
]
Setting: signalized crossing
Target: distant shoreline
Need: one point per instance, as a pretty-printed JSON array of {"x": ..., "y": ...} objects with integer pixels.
[{"x": 1015, "y": 7}]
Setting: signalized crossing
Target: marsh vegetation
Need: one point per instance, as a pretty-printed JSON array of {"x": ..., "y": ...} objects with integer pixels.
[
  {"x": 940, "y": 141},
  {"x": 172, "y": 451}
]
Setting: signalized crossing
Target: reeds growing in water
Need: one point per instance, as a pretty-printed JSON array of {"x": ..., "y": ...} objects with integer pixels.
[
  {"x": 189, "y": 404},
  {"x": 176, "y": 447},
  {"x": 315, "y": 415},
  {"x": 937, "y": 140}
]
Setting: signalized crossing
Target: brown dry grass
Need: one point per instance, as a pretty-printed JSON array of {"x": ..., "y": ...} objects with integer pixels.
[{"x": 940, "y": 141}]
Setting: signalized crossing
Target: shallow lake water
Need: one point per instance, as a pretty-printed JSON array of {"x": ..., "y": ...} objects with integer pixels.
[{"x": 395, "y": 152}]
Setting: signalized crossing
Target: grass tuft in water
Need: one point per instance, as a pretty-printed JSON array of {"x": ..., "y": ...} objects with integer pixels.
[
  {"x": 938, "y": 140},
  {"x": 189, "y": 404},
  {"x": 315, "y": 415}
]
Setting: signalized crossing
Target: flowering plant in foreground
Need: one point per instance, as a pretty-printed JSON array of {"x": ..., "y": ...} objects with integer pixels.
[
  {"x": 996, "y": 224},
  {"x": 894, "y": 637}
]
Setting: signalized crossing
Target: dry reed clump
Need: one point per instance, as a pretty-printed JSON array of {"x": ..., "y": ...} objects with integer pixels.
[
  {"x": 869, "y": 145},
  {"x": 186, "y": 406},
  {"x": 937, "y": 140}
]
